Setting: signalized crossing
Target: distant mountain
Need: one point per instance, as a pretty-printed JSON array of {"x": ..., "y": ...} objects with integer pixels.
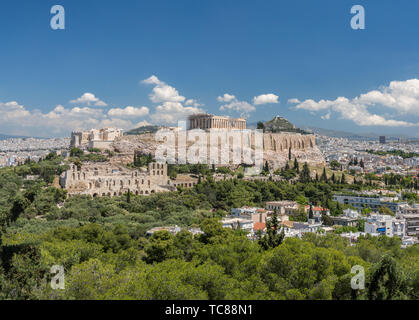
[
  {"x": 280, "y": 124},
  {"x": 351, "y": 135},
  {"x": 141, "y": 130},
  {"x": 6, "y": 136}
]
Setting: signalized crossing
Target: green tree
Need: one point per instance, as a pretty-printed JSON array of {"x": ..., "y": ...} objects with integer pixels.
[
  {"x": 76, "y": 152},
  {"x": 274, "y": 236},
  {"x": 323, "y": 177},
  {"x": 310, "y": 212},
  {"x": 343, "y": 179},
  {"x": 296, "y": 166},
  {"x": 305, "y": 174},
  {"x": 387, "y": 281}
]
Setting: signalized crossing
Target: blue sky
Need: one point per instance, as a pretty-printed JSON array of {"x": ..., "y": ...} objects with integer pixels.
[{"x": 193, "y": 52}]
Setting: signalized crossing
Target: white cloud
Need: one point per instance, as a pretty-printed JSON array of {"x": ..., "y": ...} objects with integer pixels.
[
  {"x": 326, "y": 116},
  {"x": 265, "y": 98},
  {"x": 89, "y": 99},
  {"x": 192, "y": 102},
  {"x": 60, "y": 121},
  {"x": 171, "y": 112},
  {"x": 152, "y": 80},
  {"x": 352, "y": 110},
  {"x": 294, "y": 101},
  {"x": 162, "y": 92},
  {"x": 401, "y": 96},
  {"x": 239, "y": 106},
  {"x": 12, "y": 110},
  {"x": 226, "y": 97},
  {"x": 172, "y": 106},
  {"x": 129, "y": 111},
  {"x": 244, "y": 107}
]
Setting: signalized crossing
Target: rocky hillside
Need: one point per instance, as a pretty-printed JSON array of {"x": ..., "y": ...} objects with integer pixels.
[
  {"x": 280, "y": 124},
  {"x": 141, "y": 130},
  {"x": 276, "y": 148}
]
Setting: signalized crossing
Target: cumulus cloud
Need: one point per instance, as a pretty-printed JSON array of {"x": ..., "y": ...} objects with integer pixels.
[
  {"x": 60, "y": 121},
  {"x": 192, "y": 102},
  {"x": 12, "y": 110},
  {"x": 326, "y": 116},
  {"x": 89, "y": 99},
  {"x": 265, "y": 98},
  {"x": 129, "y": 111},
  {"x": 171, "y": 112},
  {"x": 226, "y": 97},
  {"x": 172, "y": 107},
  {"x": 244, "y": 107},
  {"x": 294, "y": 100},
  {"x": 162, "y": 92},
  {"x": 401, "y": 96},
  {"x": 239, "y": 106}
]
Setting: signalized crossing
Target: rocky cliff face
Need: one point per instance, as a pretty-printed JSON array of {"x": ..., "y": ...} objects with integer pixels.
[
  {"x": 275, "y": 145},
  {"x": 276, "y": 148}
]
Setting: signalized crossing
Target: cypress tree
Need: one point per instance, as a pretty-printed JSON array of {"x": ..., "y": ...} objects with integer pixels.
[
  {"x": 128, "y": 196},
  {"x": 305, "y": 174},
  {"x": 274, "y": 236},
  {"x": 310, "y": 212},
  {"x": 324, "y": 176}
]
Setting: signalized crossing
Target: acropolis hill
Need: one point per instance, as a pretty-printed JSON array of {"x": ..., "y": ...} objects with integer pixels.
[{"x": 276, "y": 145}]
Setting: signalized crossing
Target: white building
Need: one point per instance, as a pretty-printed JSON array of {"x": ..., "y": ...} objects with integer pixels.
[
  {"x": 235, "y": 223},
  {"x": 283, "y": 207},
  {"x": 385, "y": 224},
  {"x": 256, "y": 214},
  {"x": 411, "y": 215}
]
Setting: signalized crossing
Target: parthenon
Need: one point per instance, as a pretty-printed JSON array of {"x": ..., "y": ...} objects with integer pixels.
[{"x": 209, "y": 121}]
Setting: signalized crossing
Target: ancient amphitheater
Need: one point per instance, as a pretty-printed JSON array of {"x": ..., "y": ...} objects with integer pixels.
[{"x": 104, "y": 179}]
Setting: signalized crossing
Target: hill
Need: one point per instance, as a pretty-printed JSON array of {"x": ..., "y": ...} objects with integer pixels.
[
  {"x": 280, "y": 124},
  {"x": 141, "y": 130},
  {"x": 353, "y": 136},
  {"x": 6, "y": 136}
]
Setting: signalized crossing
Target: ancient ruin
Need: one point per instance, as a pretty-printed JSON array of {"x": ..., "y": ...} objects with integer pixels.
[
  {"x": 209, "y": 121},
  {"x": 95, "y": 138}
]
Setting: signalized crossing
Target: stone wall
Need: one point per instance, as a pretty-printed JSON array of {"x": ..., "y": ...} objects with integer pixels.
[{"x": 281, "y": 142}]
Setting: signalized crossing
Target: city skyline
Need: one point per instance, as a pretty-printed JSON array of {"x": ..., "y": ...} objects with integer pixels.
[{"x": 158, "y": 62}]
